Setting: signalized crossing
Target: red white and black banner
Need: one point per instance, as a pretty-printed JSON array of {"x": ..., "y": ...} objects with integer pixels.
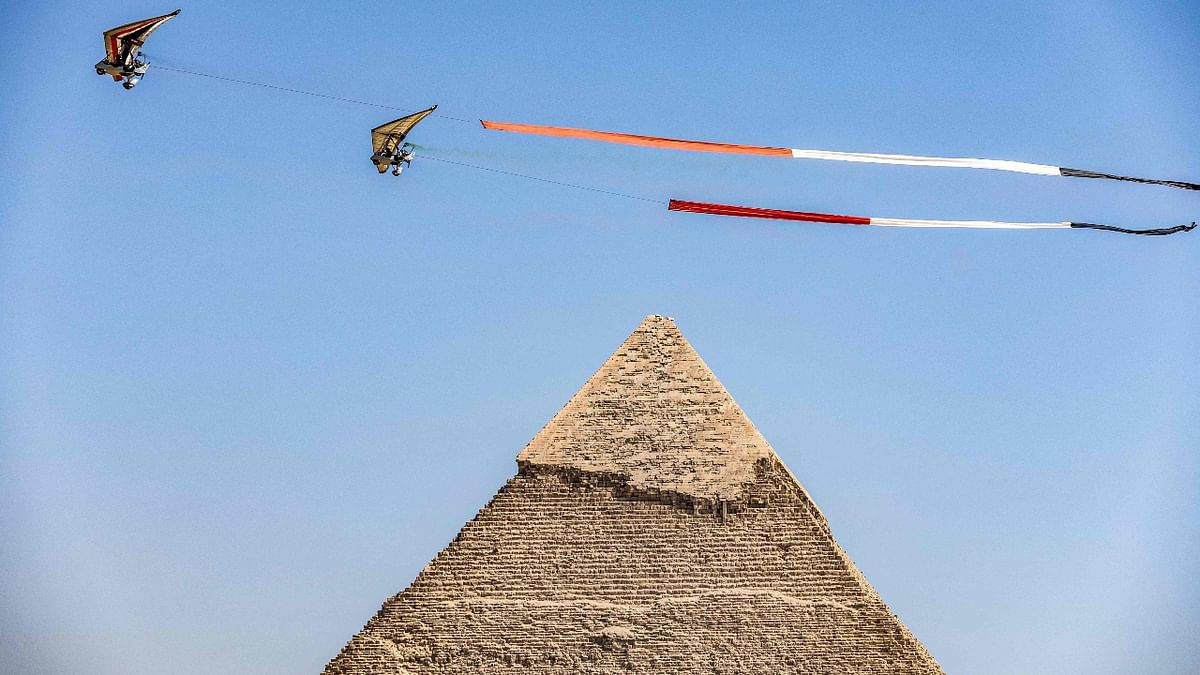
[
  {"x": 805, "y": 216},
  {"x": 797, "y": 153}
]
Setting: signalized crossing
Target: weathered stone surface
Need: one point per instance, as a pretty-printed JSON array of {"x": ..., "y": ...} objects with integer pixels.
[
  {"x": 656, "y": 415},
  {"x": 650, "y": 529}
]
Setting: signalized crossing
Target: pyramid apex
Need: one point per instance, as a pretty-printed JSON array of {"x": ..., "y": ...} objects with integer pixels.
[
  {"x": 656, "y": 417},
  {"x": 657, "y": 321}
]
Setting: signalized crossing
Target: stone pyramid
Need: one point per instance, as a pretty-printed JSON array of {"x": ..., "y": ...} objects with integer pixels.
[{"x": 650, "y": 529}]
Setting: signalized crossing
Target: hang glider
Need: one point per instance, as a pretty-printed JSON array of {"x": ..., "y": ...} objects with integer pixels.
[
  {"x": 387, "y": 142},
  {"x": 123, "y": 59},
  {"x": 777, "y": 214},
  {"x": 872, "y": 158}
]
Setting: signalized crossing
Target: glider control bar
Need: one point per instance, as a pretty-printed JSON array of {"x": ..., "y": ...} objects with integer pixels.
[
  {"x": 871, "y": 158},
  {"x": 776, "y": 214}
]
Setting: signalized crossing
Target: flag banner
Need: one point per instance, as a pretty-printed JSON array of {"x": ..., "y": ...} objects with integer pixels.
[
  {"x": 806, "y": 216},
  {"x": 831, "y": 155}
]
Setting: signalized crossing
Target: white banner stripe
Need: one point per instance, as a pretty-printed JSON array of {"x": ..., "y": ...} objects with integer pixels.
[
  {"x": 917, "y": 160},
  {"x": 979, "y": 224}
]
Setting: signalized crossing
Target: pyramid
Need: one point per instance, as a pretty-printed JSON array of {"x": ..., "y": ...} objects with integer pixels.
[{"x": 649, "y": 529}]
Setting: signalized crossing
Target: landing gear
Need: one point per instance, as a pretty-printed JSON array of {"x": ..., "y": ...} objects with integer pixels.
[
  {"x": 397, "y": 160},
  {"x": 403, "y": 157},
  {"x": 128, "y": 72}
]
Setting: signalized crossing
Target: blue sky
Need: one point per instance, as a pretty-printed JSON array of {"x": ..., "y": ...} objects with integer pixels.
[{"x": 250, "y": 387}]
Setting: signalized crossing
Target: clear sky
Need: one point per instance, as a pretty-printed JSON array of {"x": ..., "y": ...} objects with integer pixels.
[{"x": 249, "y": 387}]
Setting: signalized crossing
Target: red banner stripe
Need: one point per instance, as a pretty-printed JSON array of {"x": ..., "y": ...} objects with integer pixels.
[{"x": 753, "y": 212}]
